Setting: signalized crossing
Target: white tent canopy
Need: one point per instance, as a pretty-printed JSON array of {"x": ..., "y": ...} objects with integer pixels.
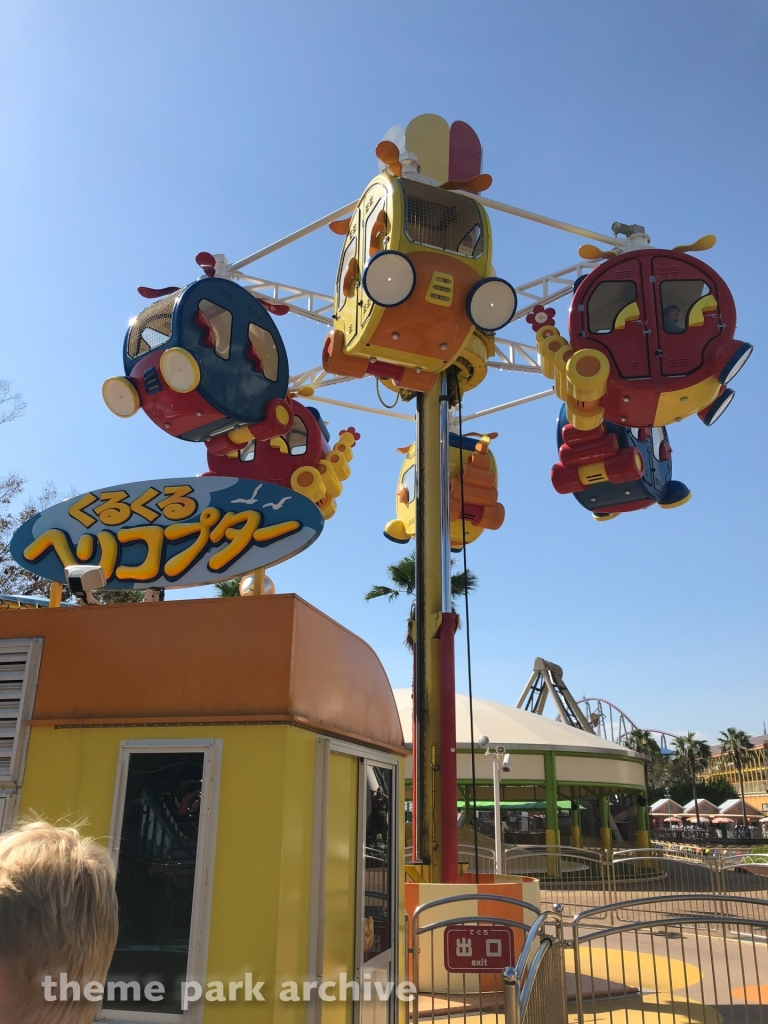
[{"x": 514, "y": 728}]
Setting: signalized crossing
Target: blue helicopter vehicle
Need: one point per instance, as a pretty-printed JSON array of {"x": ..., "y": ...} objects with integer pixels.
[
  {"x": 205, "y": 363},
  {"x": 614, "y": 469}
]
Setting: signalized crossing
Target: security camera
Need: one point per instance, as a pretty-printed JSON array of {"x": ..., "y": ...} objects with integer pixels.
[
  {"x": 500, "y": 749},
  {"x": 83, "y": 580},
  {"x": 506, "y": 764},
  {"x": 483, "y": 741}
]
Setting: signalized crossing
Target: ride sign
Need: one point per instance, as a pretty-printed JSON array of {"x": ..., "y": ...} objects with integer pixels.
[
  {"x": 477, "y": 949},
  {"x": 169, "y": 533}
]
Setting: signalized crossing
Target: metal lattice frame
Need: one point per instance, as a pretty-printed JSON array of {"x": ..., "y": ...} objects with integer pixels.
[{"x": 318, "y": 306}]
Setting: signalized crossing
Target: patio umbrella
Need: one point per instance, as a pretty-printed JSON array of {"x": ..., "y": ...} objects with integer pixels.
[
  {"x": 722, "y": 820},
  {"x": 676, "y": 821},
  {"x": 763, "y": 821},
  {"x": 703, "y": 819}
]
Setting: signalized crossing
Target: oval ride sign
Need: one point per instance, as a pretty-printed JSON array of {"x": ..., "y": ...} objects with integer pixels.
[
  {"x": 169, "y": 533},
  {"x": 477, "y": 949}
]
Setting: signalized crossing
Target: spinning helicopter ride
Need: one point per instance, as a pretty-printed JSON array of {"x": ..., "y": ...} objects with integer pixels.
[{"x": 417, "y": 305}]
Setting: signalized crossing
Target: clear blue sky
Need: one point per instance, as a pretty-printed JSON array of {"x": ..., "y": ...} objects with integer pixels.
[{"x": 136, "y": 134}]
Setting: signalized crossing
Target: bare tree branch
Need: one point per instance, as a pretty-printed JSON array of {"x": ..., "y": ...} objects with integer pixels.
[{"x": 12, "y": 405}]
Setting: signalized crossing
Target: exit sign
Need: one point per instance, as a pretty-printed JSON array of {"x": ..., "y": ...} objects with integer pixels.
[{"x": 477, "y": 949}]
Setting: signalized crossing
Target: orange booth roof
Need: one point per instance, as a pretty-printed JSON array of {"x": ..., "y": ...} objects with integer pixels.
[{"x": 221, "y": 660}]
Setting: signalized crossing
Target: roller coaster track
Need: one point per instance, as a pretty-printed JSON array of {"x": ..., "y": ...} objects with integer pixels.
[{"x": 610, "y": 722}]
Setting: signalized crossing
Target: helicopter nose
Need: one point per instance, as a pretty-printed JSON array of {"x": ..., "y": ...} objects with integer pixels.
[
  {"x": 735, "y": 363},
  {"x": 713, "y": 412},
  {"x": 120, "y": 396}
]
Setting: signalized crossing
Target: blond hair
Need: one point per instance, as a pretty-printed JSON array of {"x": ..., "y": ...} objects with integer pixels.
[{"x": 58, "y": 914}]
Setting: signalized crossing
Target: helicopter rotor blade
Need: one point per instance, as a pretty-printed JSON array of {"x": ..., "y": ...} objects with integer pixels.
[
  {"x": 389, "y": 155},
  {"x": 156, "y": 293},
  {"x": 275, "y": 308},
  {"x": 479, "y": 183},
  {"x": 700, "y": 245},
  {"x": 591, "y": 252},
  {"x": 207, "y": 263}
]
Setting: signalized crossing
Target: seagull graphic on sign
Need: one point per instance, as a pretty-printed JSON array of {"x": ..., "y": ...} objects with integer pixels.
[{"x": 252, "y": 499}]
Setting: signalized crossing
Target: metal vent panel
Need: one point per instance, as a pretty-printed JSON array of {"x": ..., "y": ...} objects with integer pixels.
[{"x": 19, "y": 664}]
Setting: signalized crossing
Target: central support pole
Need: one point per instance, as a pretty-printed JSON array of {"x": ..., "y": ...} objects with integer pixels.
[
  {"x": 434, "y": 761},
  {"x": 427, "y": 697},
  {"x": 449, "y": 841}
]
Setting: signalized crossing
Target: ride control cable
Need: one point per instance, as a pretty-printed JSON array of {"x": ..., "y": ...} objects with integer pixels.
[{"x": 469, "y": 649}]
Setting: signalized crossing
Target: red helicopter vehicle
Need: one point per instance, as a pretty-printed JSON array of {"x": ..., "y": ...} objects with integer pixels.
[
  {"x": 651, "y": 339},
  {"x": 300, "y": 459}
]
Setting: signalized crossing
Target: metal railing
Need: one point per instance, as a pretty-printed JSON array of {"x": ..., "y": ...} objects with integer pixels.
[
  {"x": 442, "y": 994},
  {"x": 664, "y": 960},
  {"x": 670, "y": 936},
  {"x": 534, "y": 989},
  {"x": 581, "y": 879}
]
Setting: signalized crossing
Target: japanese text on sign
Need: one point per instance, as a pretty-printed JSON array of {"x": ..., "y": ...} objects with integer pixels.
[
  {"x": 175, "y": 530},
  {"x": 476, "y": 950}
]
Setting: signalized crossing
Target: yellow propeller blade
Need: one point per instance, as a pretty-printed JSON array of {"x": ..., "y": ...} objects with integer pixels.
[
  {"x": 591, "y": 252},
  {"x": 703, "y": 243}
]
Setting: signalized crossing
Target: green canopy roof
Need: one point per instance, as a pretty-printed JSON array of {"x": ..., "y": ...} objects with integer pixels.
[{"x": 519, "y": 805}]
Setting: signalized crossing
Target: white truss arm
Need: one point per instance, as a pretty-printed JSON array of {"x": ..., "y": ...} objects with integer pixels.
[
  {"x": 364, "y": 408},
  {"x": 550, "y": 287},
  {"x": 492, "y": 204},
  {"x": 260, "y": 253},
  {"x": 514, "y": 355},
  {"x": 317, "y": 303},
  {"x": 508, "y": 405},
  {"x": 317, "y": 377},
  {"x": 318, "y": 306},
  {"x": 561, "y": 225}
]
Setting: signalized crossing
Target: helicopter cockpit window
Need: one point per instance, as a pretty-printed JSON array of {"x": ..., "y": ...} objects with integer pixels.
[
  {"x": 678, "y": 299},
  {"x": 347, "y": 272},
  {"x": 264, "y": 347},
  {"x": 376, "y": 227},
  {"x": 152, "y": 327},
  {"x": 606, "y": 302},
  {"x": 409, "y": 483},
  {"x": 296, "y": 438},
  {"x": 657, "y": 434},
  {"x": 220, "y": 320},
  {"x": 442, "y": 220}
]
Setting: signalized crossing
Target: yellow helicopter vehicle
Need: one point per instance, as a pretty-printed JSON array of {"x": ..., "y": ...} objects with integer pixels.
[
  {"x": 416, "y": 289},
  {"x": 470, "y": 457}
]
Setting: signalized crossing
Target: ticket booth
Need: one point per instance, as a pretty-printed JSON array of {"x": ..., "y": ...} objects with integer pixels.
[{"x": 243, "y": 760}]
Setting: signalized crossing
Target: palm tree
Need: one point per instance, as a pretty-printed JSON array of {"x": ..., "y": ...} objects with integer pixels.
[
  {"x": 734, "y": 743},
  {"x": 642, "y": 741},
  {"x": 403, "y": 577},
  {"x": 690, "y": 751},
  {"x": 228, "y": 588}
]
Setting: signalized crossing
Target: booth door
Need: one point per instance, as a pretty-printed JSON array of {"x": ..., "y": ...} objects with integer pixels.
[
  {"x": 339, "y": 905},
  {"x": 357, "y": 909},
  {"x": 377, "y": 897}
]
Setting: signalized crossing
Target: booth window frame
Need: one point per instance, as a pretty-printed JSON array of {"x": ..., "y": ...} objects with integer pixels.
[
  {"x": 366, "y": 756},
  {"x": 203, "y": 885},
  {"x": 31, "y": 649}
]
